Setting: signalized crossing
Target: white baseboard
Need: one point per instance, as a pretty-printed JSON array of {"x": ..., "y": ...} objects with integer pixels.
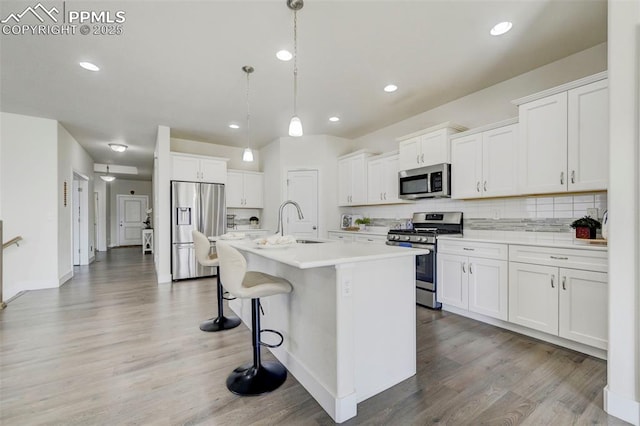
[
  {"x": 621, "y": 407},
  {"x": 11, "y": 290},
  {"x": 66, "y": 277}
]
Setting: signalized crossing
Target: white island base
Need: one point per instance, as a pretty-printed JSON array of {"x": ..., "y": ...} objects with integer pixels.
[{"x": 349, "y": 328}]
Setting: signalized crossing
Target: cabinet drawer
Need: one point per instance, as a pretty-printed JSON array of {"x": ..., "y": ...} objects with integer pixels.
[
  {"x": 378, "y": 239},
  {"x": 483, "y": 250},
  {"x": 592, "y": 260},
  {"x": 340, "y": 236}
]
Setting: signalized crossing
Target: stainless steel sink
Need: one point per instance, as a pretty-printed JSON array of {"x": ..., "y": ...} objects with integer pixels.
[{"x": 308, "y": 242}]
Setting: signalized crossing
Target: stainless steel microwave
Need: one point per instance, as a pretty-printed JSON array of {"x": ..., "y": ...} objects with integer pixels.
[{"x": 425, "y": 182}]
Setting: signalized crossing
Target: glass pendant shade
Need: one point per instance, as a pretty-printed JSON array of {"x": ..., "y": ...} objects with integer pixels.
[
  {"x": 295, "y": 126},
  {"x": 107, "y": 178},
  {"x": 247, "y": 155}
]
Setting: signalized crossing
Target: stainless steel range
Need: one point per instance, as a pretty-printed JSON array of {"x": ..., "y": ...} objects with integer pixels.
[{"x": 426, "y": 227}]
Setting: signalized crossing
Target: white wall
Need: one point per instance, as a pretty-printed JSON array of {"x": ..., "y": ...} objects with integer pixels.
[
  {"x": 492, "y": 104},
  {"x": 29, "y": 201},
  {"x": 124, "y": 187},
  {"x": 162, "y": 205},
  {"x": 272, "y": 168},
  {"x": 234, "y": 154},
  {"x": 622, "y": 394},
  {"x": 73, "y": 158}
]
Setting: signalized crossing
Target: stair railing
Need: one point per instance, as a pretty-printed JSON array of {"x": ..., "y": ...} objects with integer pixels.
[{"x": 16, "y": 241}]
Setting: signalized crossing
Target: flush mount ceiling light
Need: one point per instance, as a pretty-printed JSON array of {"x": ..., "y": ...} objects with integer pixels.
[
  {"x": 284, "y": 55},
  {"x": 334, "y": 119},
  {"x": 107, "y": 177},
  {"x": 247, "y": 155},
  {"x": 118, "y": 147},
  {"x": 501, "y": 28},
  {"x": 234, "y": 126},
  {"x": 390, "y": 88},
  {"x": 89, "y": 66},
  {"x": 295, "y": 125}
]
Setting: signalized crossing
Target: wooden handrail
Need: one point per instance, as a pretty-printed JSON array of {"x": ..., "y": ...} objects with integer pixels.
[{"x": 15, "y": 241}]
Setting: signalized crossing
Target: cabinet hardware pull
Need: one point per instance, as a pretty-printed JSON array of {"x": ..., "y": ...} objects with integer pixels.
[
  {"x": 385, "y": 195},
  {"x": 561, "y": 178},
  {"x": 564, "y": 283},
  {"x": 478, "y": 186},
  {"x": 464, "y": 270},
  {"x": 559, "y": 257},
  {"x": 485, "y": 186},
  {"x": 553, "y": 278},
  {"x": 470, "y": 270},
  {"x": 418, "y": 158},
  {"x": 422, "y": 157},
  {"x": 573, "y": 176},
  {"x": 468, "y": 249}
]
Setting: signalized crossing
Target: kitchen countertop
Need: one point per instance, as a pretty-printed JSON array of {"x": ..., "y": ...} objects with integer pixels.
[
  {"x": 547, "y": 239},
  {"x": 379, "y": 231},
  {"x": 331, "y": 253}
]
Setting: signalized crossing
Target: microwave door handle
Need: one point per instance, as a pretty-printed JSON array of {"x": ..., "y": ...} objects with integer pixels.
[{"x": 428, "y": 183}]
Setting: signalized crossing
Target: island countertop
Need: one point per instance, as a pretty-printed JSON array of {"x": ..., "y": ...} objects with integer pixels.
[{"x": 329, "y": 253}]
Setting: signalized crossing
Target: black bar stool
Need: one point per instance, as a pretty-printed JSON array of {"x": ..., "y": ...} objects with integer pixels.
[{"x": 202, "y": 249}]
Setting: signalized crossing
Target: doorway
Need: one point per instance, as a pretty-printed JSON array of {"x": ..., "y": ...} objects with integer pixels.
[
  {"x": 302, "y": 187},
  {"x": 131, "y": 213},
  {"x": 80, "y": 220}
]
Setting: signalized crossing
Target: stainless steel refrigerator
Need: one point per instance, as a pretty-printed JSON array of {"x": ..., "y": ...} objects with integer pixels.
[{"x": 198, "y": 206}]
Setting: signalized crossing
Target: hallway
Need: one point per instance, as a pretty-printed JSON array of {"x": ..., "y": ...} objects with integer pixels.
[{"x": 113, "y": 347}]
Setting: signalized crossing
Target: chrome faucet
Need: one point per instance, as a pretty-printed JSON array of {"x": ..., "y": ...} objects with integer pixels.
[{"x": 280, "y": 229}]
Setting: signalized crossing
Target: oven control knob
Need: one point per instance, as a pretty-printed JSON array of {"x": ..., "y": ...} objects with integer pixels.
[
  {"x": 406, "y": 238},
  {"x": 423, "y": 239}
]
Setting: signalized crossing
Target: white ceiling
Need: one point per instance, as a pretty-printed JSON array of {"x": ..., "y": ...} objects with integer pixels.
[{"x": 178, "y": 63}]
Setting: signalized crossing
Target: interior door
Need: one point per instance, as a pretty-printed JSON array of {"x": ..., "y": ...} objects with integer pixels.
[
  {"x": 131, "y": 213},
  {"x": 302, "y": 187},
  {"x": 75, "y": 202}
]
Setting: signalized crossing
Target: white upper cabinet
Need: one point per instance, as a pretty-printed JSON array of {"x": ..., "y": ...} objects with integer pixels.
[
  {"x": 244, "y": 189},
  {"x": 194, "y": 168},
  {"x": 352, "y": 179},
  {"x": 426, "y": 147},
  {"x": 588, "y": 137},
  {"x": 483, "y": 164},
  {"x": 382, "y": 180},
  {"x": 564, "y": 143}
]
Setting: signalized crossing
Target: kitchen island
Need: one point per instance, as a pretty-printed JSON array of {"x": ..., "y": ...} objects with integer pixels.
[{"x": 349, "y": 324}]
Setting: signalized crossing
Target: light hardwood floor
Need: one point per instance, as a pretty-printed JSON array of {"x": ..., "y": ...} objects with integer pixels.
[{"x": 112, "y": 347}]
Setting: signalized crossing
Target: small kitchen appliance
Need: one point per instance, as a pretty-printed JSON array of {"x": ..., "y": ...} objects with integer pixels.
[{"x": 426, "y": 227}]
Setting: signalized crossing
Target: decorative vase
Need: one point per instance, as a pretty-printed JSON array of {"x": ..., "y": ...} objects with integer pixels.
[{"x": 585, "y": 232}]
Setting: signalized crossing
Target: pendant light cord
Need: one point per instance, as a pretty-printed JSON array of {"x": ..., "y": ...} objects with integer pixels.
[
  {"x": 248, "y": 115},
  {"x": 295, "y": 62}
]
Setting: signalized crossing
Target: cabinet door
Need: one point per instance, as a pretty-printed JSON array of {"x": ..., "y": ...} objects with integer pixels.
[
  {"x": 466, "y": 167},
  {"x": 533, "y": 296},
  {"x": 344, "y": 182},
  {"x": 588, "y": 137},
  {"x": 488, "y": 287},
  {"x": 390, "y": 178},
  {"x": 409, "y": 152},
  {"x": 375, "y": 181},
  {"x": 185, "y": 168},
  {"x": 499, "y": 160},
  {"x": 253, "y": 190},
  {"x": 358, "y": 180},
  {"x": 234, "y": 191},
  {"x": 434, "y": 148},
  {"x": 584, "y": 305},
  {"x": 213, "y": 171},
  {"x": 543, "y": 145},
  {"x": 452, "y": 280}
]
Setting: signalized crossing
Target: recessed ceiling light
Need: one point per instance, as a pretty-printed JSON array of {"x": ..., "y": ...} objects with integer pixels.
[
  {"x": 234, "y": 126},
  {"x": 334, "y": 119},
  {"x": 284, "y": 55},
  {"x": 501, "y": 28},
  {"x": 390, "y": 88},
  {"x": 118, "y": 147},
  {"x": 89, "y": 66}
]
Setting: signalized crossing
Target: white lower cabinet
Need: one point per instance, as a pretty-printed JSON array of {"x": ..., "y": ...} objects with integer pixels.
[
  {"x": 569, "y": 303},
  {"x": 477, "y": 284}
]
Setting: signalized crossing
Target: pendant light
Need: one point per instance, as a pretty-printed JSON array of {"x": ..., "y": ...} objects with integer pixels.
[
  {"x": 295, "y": 125},
  {"x": 247, "y": 155},
  {"x": 107, "y": 177}
]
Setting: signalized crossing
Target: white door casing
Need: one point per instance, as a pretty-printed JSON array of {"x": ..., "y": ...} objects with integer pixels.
[
  {"x": 302, "y": 187},
  {"x": 75, "y": 229},
  {"x": 131, "y": 212}
]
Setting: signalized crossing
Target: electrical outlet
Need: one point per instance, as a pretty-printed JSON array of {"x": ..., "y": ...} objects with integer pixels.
[{"x": 593, "y": 212}]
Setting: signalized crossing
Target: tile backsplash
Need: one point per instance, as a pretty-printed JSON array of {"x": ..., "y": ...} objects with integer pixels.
[{"x": 539, "y": 213}]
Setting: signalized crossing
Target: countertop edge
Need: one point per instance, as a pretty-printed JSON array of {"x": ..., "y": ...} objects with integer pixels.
[{"x": 515, "y": 241}]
